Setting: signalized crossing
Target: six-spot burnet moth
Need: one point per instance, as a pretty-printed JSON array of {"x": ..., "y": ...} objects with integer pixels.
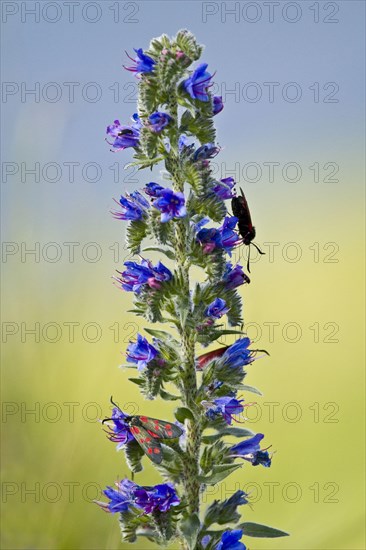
[
  {"x": 147, "y": 432},
  {"x": 241, "y": 210}
]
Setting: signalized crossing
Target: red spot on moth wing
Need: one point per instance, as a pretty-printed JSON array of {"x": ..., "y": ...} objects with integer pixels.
[
  {"x": 169, "y": 433},
  {"x": 135, "y": 430},
  {"x": 156, "y": 451},
  {"x": 143, "y": 418},
  {"x": 150, "y": 451},
  {"x": 153, "y": 434},
  {"x": 168, "y": 426}
]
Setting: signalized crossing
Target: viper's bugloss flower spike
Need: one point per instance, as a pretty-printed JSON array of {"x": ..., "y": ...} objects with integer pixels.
[
  {"x": 250, "y": 450},
  {"x": 198, "y": 83},
  {"x": 140, "y": 352},
  {"x": 171, "y": 205},
  {"x": 133, "y": 207},
  {"x": 187, "y": 221},
  {"x": 230, "y": 540},
  {"x": 158, "y": 121},
  {"x": 142, "y": 63},
  {"x": 216, "y": 309}
]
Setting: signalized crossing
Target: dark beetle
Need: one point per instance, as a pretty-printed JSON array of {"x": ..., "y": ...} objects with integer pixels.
[{"x": 246, "y": 229}]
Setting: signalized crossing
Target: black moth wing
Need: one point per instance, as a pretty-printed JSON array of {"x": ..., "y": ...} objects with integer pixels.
[
  {"x": 161, "y": 428},
  {"x": 147, "y": 441},
  {"x": 241, "y": 211}
]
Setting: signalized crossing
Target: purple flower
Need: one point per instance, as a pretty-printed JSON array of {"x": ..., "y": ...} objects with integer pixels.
[
  {"x": 250, "y": 450},
  {"x": 226, "y": 406},
  {"x": 234, "y": 276},
  {"x": 206, "y": 151},
  {"x": 158, "y": 498},
  {"x": 171, "y": 205},
  {"x": 158, "y": 121},
  {"x": 238, "y": 355},
  {"x": 125, "y": 136},
  {"x": 229, "y": 237},
  {"x": 134, "y": 207},
  {"x": 153, "y": 189},
  {"x": 223, "y": 188},
  {"x": 142, "y": 63},
  {"x": 230, "y": 540},
  {"x": 216, "y": 309},
  {"x": 120, "y": 499},
  {"x": 136, "y": 276},
  {"x": 119, "y": 432},
  {"x": 198, "y": 83},
  {"x": 182, "y": 142},
  {"x": 141, "y": 352},
  {"x": 149, "y": 499},
  {"x": 224, "y": 237},
  {"x": 217, "y": 105}
]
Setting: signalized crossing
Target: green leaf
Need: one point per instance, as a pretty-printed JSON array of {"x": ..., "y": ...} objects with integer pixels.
[
  {"x": 252, "y": 389},
  {"x": 261, "y": 531},
  {"x": 182, "y": 413},
  {"x": 168, "y": 253},
  {"x": 134, "y": 454},
  {"x": 190, "y": 527},
  {"x": 235, "y": 432},
  {"x": 168, "y": 396},
  {"x": 137, "y": 381},
  {"x": 219, "y": 472}
]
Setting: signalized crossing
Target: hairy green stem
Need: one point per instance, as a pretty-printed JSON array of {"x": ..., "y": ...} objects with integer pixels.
[{"x": 193, "y": 427}]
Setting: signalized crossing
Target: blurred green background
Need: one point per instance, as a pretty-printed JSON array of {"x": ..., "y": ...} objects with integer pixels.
[{"x": 305, "y": 302}]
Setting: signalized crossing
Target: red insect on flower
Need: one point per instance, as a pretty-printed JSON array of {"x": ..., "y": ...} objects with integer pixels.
[
  {"x": 148, "y": 432},
  {"x": 246, "y": 229}
]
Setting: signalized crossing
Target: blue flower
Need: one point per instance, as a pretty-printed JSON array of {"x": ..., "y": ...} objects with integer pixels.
[
  {"x": 206, "y": 151},
  {"x": 229, "y": 237},
  {"x": 153, "y": 189},
  {"x": 198, "y": 83},
  {"x": 149, "y": 499},
  {"x": 182, "y": 142},
  {"x": 217, "y": 105},
  {"x": 158, "y": 121},
  {"x": 224, "y": 237},
  {"x": 136, "y": 276},
  {"x": 158, "y": 498},
  {"x": 238, "y": 355},
  {"x": 216, "y": 309},
  {"x": 143, "y": 63},
  {"x": 223, "y": 188},
  {"x": 171, "y": 205},
  {"x": 125, "y": 136},
  {"x": 120, "y": 499},
  {"x": 141, "y": 352},
  {"x": 250, "y": 450},
  {"x": 119, "y": 432},
  {"x": 134, "y": 207},
  {"x": 230, "y": 540},
  {"x": 226, "y": 406},
  {"x": 234, "y": 276}
]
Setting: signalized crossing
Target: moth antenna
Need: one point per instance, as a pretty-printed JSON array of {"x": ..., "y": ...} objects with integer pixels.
[
  {"x": 113, "y": 403},
  {"x": 259, "y": 250},
  {"x": 248, "y": 262}
]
